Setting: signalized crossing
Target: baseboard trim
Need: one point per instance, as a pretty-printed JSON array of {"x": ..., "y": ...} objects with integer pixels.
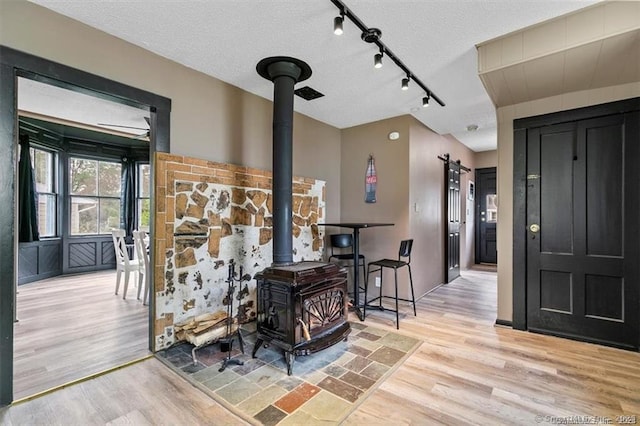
[
  {"x": 430, "y": 291},
  {"x": 624, "y": 346},
  {"x": 504, "y": 323}
]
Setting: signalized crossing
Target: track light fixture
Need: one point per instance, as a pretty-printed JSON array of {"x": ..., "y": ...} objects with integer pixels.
[
  {"x": 377, "y": 59},
  {"x": 337, "y": 24},
  {"x": 373, "y": 35},
  {"x": 405, "y": 83}
]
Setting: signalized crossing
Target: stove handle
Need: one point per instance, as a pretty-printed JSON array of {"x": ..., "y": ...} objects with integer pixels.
[
  {"x": 305, "y": 329},
  {"x": 310, "y": 288}
]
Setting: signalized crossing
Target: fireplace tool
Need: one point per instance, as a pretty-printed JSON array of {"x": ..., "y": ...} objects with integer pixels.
[{"x": 226, "y": 343}]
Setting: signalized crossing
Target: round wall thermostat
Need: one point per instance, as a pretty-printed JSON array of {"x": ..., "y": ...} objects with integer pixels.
[{"x": 394, "y": 135}]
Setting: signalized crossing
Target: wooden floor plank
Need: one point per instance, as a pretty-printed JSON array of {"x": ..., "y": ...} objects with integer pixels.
[
  {"x": 73, "y": 326},
  {"x": 528, "y": 374},
  {"x": 144, "y": 393},
  {"x": 467, "y": 371}
]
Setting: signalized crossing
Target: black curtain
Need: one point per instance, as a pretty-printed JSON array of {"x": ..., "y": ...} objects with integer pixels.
[
  {"x": 128, "y": 199},
  {"x": 27, "y": 208}
]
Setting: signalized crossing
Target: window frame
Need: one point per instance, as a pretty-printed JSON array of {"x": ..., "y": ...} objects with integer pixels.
[
  {"x": 55, "y": 186},
  {"x": 139, "y": 197},
  {"x": 70, "y": 196}
]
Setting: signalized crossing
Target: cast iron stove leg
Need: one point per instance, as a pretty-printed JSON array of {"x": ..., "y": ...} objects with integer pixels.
[
  {"x": 256, "y": 347},
  {"x": 291, "y": 357}
]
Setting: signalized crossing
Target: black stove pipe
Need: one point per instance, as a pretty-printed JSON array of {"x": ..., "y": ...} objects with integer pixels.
[{"x": 285, "y": 72}]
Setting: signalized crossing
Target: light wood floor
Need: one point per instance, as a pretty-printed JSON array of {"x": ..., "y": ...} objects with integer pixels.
[
  {"x": 74, "y": 326},
  {"x": 470, "y": 371},
  {"x": 467, "y": 371},
  {"x": 147, "y": 393}
]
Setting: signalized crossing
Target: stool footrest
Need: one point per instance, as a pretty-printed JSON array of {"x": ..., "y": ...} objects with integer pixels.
[{"x": 368, "y": 302}]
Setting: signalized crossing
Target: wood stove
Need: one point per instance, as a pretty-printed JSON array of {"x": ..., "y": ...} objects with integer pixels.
[{"x": 302, "y": 308}]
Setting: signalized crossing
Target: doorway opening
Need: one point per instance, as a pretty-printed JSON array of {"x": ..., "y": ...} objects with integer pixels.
[
  {"x": 86, "y": 180},
  {"x": 17, "y": 64},
  {"x": 486, "y": 218}
]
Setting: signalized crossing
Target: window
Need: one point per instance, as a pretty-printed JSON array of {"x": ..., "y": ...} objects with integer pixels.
[
  {"x": 44, "y": 176},
  {"x": 95, "y": 191},
  {"x": 142, "y": 196}
]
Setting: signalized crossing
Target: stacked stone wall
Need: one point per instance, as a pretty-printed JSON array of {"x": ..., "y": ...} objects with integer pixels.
[{"x": 209, "y": 214}]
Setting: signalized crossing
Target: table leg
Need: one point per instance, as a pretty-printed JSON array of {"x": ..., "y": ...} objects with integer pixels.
[{"x": 356, "y": 280}]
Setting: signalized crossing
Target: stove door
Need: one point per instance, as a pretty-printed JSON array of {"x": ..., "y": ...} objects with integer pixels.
[
  {"x": 275, "y": 313},
  {"x": 325, "y": 305}
]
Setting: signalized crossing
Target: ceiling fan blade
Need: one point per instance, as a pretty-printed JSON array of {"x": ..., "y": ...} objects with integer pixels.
[
  {"x": 143, "y": 136},
  {"x": 119, "y": 125}
]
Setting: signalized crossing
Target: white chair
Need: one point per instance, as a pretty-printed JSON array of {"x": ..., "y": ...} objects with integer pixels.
[
  {"x": 124, "y": 263},
  {"x": 141, "y": 238}
]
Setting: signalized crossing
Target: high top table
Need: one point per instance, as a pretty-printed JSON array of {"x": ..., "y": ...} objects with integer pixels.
[{"x": 356, "y": 226}]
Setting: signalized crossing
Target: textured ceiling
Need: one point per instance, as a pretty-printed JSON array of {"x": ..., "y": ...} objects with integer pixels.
[{"x": 434, "y": 38}]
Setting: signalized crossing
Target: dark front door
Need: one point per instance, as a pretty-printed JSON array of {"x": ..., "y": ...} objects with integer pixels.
[
  {"x": 452, "y": 213},
  {"x": 486, "y": 215},
  {"x": 582, "y": 229}
]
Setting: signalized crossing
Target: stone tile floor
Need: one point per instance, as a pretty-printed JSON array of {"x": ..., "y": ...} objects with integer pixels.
[{"x": 323, "y": 388}]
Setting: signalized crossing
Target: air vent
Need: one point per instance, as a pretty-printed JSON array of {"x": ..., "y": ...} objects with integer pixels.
[{"x": 308, "y": 93}]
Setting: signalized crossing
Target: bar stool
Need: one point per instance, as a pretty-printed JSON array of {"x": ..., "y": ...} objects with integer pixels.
[
  {"x": 403, "y": 253},
  {"x": 344, "y": 241}
]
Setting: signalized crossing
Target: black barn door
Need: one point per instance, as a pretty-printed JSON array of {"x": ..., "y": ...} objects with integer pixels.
[
  {"x": 582, "y": 230},
  {"x": 452, "y": 213},
  {"x": 486, "y": 216}
]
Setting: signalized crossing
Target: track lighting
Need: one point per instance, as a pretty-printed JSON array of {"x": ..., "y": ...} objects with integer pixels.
[
  {"x": 337, "y": 24},
  {"x": 373, "y": 35},
  {"x": 377, "y": 60},
  {"x": 405, "y": 83}
]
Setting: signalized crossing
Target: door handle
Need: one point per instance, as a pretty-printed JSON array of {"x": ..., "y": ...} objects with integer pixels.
[{"x": 534, "y": 228}]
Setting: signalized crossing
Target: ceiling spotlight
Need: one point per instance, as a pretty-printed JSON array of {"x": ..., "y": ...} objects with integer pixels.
[
  {"x": 377, "y": 60},
  {"x": 337, "y": 24},
  {"x": 374, "y": 36}
]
